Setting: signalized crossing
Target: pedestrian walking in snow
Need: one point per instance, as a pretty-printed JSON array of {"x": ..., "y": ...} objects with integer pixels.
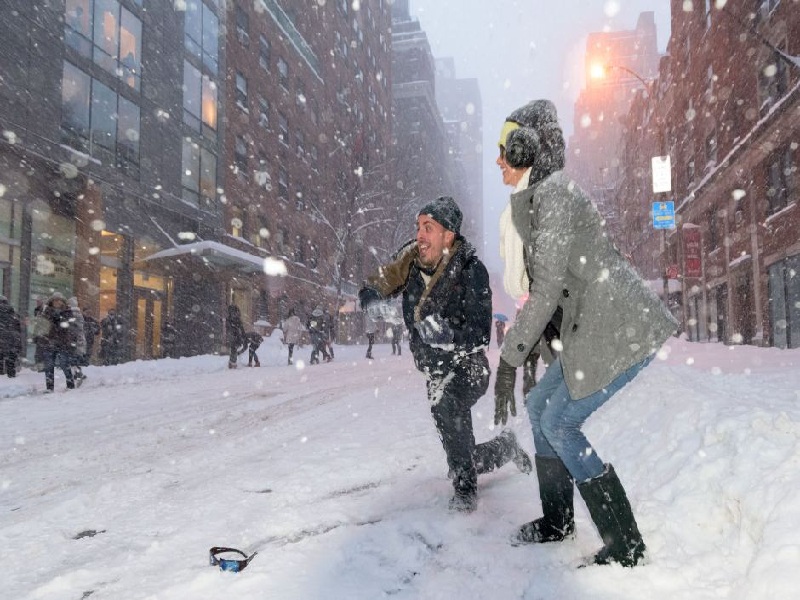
[
  {"x": 110, "y": 337},
  {"x": 234, "y": 330},
  {"x": 397, "y": 338},
  {"x": 370, "y": 327},
  {"x": 447, "y": 309},
  {"x": 39, "y": 327},
  {"x": 10, "y": 338},
  {"x": 316, "y": 333},
  {"x": 611, "y": 327},
  {"x": 169, "y": 338},
  {"x": 328, "y": 332},
  {"x": 252, "y": 341},
  {"x": 292, "y": 330},
  {"x": 59, "y": 341},
  {"x": 78, "y": 325},
  {"x": 91, "y": 327}
]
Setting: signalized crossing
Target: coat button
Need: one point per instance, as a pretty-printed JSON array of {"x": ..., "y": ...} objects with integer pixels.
[
  {"x": 565, "y": 293},
  {"x": 575, "y": 327},
  {"x": 520, "y": 347}
]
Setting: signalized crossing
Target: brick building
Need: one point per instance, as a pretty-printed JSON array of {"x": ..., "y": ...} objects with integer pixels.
[
  {"x": 618, "y": 64},
  {"x": 306, "y": 149},
  {"x": 145, "y": 170},
  {"x": 726, "y": 109}
]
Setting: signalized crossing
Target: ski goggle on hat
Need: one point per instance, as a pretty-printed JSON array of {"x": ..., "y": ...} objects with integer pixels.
[{"x": 228, "y": 563}]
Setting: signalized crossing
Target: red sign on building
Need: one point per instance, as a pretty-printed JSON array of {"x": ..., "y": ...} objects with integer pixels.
[{"x": 692, "y": 252}]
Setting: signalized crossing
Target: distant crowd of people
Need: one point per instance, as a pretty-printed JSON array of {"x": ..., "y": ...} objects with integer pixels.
[{"x": 63, "y": 337}]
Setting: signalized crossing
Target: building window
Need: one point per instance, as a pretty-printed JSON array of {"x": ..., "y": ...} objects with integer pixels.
[
  {"x": 779, "y": 178},
  {"x": 283, "y": 185},
  {"x": 107, "y": 33},
  {"x": 128, "y": 127},
  {"x": 241, "y": 91},
  {"x": 283, "y": 73},
  {"x": 312, "y": 259},
  {"x": 263, "y": 52},
  {"x": 298, "y": 254},
  {"x": 283, "y": 129},
  {"x": 784, "y": 298},
  {"x": 240, "y": 156},
  {"x": 713, "y": 233},
  {"x": 711, "y": 148},
  {"x": 95, "y": 118},
  {"x": 261, "y": 174},
  {"x": 281, "y": 237},
  {"x": 198, "y": 173},
  {"x": 773, "y": 81},
  {"x": 242, "y": 26},
  {"x": 690, "y": 172},
  {"x": 199, "y": 99},
  {"x": 201, "y": 34},
  {"x": 236, "y": 222},
  {"x": 263, "y": 112}
]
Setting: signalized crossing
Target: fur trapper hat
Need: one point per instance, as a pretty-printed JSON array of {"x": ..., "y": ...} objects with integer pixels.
[
  {"x": 538, "y": 142},
  {"x": 444, "y": 211}
]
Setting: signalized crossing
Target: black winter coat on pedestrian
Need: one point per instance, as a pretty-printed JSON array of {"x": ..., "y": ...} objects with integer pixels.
[
  {"x": 457, "y": 290},
  {"x": 10, "y": 329},
  {"x": 61, "y": 336}
]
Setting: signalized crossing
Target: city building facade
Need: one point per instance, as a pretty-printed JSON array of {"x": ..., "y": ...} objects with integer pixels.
[
  {"x": 459, "y": 100},
  {"x": 725, "y": 108},
  {"x": 144, "y": 170},
  {"x": 618, "y": 64},
  {"x": 424, "y": 166}
]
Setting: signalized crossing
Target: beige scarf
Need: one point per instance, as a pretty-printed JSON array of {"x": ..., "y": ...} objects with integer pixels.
[{"x": 512, "y": 250}]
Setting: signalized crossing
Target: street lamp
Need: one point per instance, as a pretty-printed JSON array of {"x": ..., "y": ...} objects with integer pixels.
[
  {"x": 662, "y": 182},
  {"x": 598, "y": 71}
]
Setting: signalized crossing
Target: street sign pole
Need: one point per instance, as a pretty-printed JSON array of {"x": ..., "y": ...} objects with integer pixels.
[{"x": 664, "y": 211}]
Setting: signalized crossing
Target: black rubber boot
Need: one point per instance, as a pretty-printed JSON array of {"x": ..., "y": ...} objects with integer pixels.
[
  {"x": 556, "y": 492},
  {"x": 500, "y": 450},
  {"x": 465, "y": 498},
  {"x": 612, "y": 514}
]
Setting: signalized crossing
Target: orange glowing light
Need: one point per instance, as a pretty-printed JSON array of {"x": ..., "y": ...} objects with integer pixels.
[{"x": 597, "y": 71}]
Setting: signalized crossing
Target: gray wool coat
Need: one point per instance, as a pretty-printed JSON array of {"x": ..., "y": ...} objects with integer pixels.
[{"x": 612, "y": 319}]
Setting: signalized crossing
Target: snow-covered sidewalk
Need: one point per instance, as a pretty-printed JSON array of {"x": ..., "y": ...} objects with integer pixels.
[{"x": 335, "y": 475}]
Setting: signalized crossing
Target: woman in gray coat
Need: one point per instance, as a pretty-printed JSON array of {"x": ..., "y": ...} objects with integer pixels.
[{"x": 555, "y": 247}]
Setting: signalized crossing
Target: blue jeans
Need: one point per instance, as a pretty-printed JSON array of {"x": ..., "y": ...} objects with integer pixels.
[{"x": 556, "y": 419}]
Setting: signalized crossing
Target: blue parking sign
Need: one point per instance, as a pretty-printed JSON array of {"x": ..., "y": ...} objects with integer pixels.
[{"x": 664, "y": 215}]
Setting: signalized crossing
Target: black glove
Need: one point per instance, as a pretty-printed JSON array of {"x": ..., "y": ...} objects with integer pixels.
[
  {"x": 504, "y": 392},
  {"x": 434, "y": 330}
]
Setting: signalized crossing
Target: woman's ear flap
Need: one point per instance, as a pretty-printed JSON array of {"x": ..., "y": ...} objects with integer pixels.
[{"x": 522, "y": 147}]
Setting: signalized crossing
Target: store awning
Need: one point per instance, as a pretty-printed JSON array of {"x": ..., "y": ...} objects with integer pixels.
[{"x": 209, "y": 254}]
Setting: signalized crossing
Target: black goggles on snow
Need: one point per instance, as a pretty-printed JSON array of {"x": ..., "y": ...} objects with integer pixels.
[{"x": 229, "y": 564}]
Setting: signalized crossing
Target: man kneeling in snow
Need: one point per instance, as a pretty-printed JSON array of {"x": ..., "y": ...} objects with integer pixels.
[{"x": 447, "y": 309}]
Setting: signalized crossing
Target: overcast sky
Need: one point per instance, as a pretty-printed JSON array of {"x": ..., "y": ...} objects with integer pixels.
[{"x": 520, "y": 50}]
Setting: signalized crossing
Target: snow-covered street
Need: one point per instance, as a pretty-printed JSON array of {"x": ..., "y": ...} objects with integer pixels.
[{"x": 335, "y": 475}]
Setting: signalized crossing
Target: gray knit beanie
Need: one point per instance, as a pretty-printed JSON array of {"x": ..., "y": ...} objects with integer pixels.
[{"x": 444, "y": 211}]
